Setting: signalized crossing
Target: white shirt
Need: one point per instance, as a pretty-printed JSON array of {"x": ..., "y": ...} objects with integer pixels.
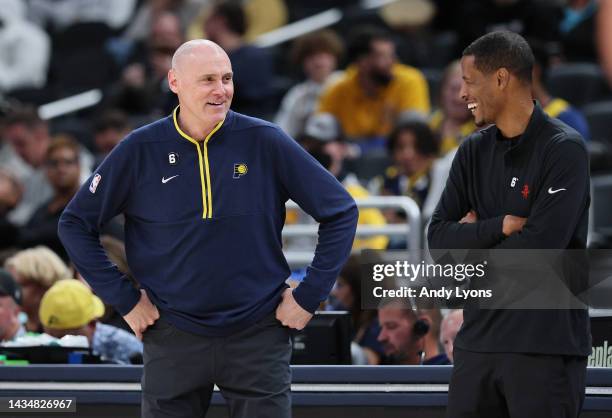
[
  {"x": 25, "y": 50},
  {"x": 299, "y": 103},
  {"x": 63, "y": 13}
]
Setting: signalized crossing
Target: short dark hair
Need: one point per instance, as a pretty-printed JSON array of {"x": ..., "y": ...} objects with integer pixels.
[
  {"x": 22, "y": 114},
  {"x": 234, "y": 16},
  {"x": 322, "y": 41},
  {"x": 427, "y": 143},
  {"x": 360, "y": 41},
  {"x": 406, "y": 306},
  {"x": 112, "y": 119},
  {"x": 502, "y": 49},
  {"x": 62, "y": 141}
]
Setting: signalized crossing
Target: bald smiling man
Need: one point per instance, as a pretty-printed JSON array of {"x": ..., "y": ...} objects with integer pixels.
[{"x": 203, "y": 192}]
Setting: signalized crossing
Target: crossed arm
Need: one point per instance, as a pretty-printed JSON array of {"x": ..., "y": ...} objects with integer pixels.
[
  {"x": 511, "y": 223},
  {"x": 553, "y": 217}
]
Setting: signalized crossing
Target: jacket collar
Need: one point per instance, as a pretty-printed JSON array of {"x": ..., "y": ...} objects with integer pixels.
[
  {"x": 217, "y": 131},
  {"x": 536, "y": 121}
]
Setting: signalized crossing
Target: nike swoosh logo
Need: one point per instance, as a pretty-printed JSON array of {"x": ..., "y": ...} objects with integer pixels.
[
  {"x": 166, "y": 180},
  {"x": 551, "y": 191}
]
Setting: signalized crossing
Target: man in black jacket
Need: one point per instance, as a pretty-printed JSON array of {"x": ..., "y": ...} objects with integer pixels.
[{"x": 521, "y": 183}]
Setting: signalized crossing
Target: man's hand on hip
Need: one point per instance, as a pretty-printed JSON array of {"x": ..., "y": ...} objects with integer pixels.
[
  {"x": 290, "y": 313},
  {"x": 142, "y": 315}
]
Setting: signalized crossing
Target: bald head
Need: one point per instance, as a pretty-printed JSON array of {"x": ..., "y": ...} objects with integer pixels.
[
  {"x": 448, "y": 330},
  {"x": 202, "y": 78},
  {"x": 194, "y": 47}
]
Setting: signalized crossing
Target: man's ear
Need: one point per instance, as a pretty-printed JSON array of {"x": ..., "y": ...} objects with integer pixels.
[
  {"x": 172, "y": 81},
  {"x": 503, "y": 78},
  {"x": 536, "y": 72}
]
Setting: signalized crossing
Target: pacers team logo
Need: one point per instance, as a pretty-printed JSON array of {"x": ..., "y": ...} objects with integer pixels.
[{"x": 240, "y": 169}]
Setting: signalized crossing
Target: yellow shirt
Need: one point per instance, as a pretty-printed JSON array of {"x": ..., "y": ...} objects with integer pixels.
[
  {"x": 263, "y": 16},
  {"x": 364, "y": 116},
  {"x": 555, "y": 107},
  {"x": 450, "y": 142},
  {"x": 371, "y": 217}
]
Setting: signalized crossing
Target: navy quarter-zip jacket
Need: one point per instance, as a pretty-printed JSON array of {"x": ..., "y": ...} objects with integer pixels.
[
  {"x": 204, "y": 220},
  {"x": 542, "y": 176}
]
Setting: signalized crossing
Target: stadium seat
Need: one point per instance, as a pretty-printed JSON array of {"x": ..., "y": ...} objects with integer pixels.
[
  {"x": 578, "y": 83},
  {"x": 444, "y": 49},
  {"x": 599, "y": 117},
  {"x": 369, "y": 165},
  {"x": 600, "y": 156},
  {"x": 434, "y": 81},
  {"x": 80, "y": 60}
]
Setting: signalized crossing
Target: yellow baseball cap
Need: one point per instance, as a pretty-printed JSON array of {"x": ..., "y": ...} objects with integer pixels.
[{"x": 69, "y": 304}]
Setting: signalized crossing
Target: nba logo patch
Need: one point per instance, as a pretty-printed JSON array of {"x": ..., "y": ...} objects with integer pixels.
[
  {"x": 94, "y": 183},
  {"x": 240, "y": 169}
]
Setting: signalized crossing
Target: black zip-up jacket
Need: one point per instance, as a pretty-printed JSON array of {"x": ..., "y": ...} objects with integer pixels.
[{"x": 542, "y": 176}]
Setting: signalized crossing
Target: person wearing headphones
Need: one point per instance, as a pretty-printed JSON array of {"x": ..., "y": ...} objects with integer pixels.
[{"x": 402, "y": 334}]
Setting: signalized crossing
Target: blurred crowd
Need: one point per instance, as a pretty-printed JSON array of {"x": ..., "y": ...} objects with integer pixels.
[{"x": 374, "y": 97}]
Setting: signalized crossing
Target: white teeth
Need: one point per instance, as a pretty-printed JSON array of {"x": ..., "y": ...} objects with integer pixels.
[{"x": 472, "y": 106}]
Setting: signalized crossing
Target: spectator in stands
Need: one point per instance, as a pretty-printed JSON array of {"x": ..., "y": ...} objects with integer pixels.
[
  {"x": 140, "y": 26},
  {"x": 324, "y": 140},
  {"x": 59, "y": 14},
  {"x": 375, "y": 88},
  {"x": 553, "y": 106},
  {"x": 115, "y": 250},
  {"x": 24, "y": 49},
  {"x": 263, "y": 16},
  {"x": 70, "y": 308},
  {"x": 402, "y": 333},
  {"x": 577, "y": 31},
  {"x": 143, "y": 89},
  {"x": 604, "y": 37},
  {"x": 252, "y": 66},
  {"x": 453, "y": 121},
  {"x": 63, "y": 173},
  {"x": 470, "y": 19},
  {"x": 35, "y": 270},
  {"x": 448, "y": 330},
  {"x": 29, "y": 136},
  {"x": 9, "y": 159},
  {"x": 410, "y": 22},
  {"x": 431, "y": 341},
  {"x": 10, "y": 195},
  {"x": 347, "y": 293},
  {"x": 416, "y": 172},
  {"x": 10, "y": 300},
  {"x": 110, "y": 128},
  {"x": 317, "y": 54}
]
